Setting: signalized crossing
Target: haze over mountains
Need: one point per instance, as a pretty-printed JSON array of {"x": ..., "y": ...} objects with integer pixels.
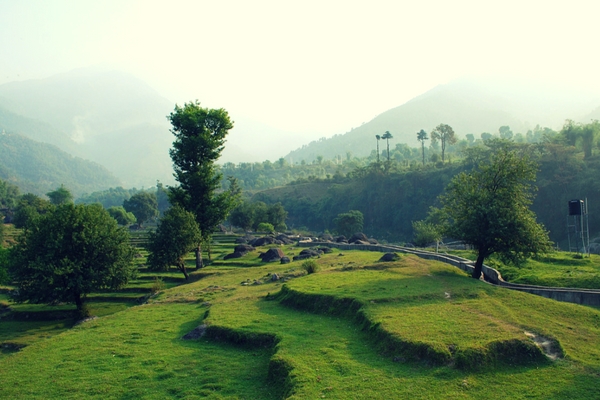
[
  {"x": 119, "y": 122},
  {"x": 469, "y": 106}
]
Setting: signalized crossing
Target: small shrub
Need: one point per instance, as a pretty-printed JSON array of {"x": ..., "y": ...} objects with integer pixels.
[
  {"x": 157, "y": 286},
  {"x": 265, "y": 227},
  {"x": 310, "y": 266}
]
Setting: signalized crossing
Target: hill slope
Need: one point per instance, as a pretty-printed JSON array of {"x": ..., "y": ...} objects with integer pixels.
[
  {"x": 469, "y": 106},
  {"x": 39, "y": 167},
  {"x": 108, "y": 117}
]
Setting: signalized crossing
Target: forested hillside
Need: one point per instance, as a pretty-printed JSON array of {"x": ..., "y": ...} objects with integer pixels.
[
  {"x": 469, "y": 106},
  {"x": 39, "y": 167},
  {"x": 391, "y": 199}
]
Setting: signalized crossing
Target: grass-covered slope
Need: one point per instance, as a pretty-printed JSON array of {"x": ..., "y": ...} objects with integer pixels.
[{"x": 355, "y": 329}]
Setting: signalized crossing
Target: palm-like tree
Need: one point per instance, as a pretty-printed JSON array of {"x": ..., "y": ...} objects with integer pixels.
[
  {"x": 378, "y": 137},
  {"x": 422, "y": 137},
  {"x": 387, "y": 136}
]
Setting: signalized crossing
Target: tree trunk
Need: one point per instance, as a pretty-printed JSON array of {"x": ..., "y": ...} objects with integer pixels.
[
  {"x": 208, "y": 251},
  {"x": 478, "y": 265},
  {"x": 182, "y": 269},
  {"x": 199, "y": 256}
]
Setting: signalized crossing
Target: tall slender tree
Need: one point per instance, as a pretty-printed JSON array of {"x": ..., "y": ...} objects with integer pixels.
[
  {"x": 422, "y": 137},
  {"x": 445, "y": 135},
  {"x": 199, "y": 139},
  {"x": 378, "y": 137},
  {"x": 387, "y": 136}
]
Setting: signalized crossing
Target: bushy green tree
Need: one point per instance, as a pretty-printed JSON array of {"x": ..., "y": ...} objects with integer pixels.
[
  {"x": 488, "y": 208},
  {"x": 120, "y": 215},
  {"x": 199, "y": 139},
  {"x": 9, "y": 195},
  {"x": 143, "y": 206},
  {"x": 265, "y": 227},
  {"x": 349, "y": 223},
  {"x": 176, "y": 236},
  {"x": 29, "y": 207},
  {"x": 67, "y": 253},
  {"x": 425, "y": 233},
  {"x": 60, "y": 196}
]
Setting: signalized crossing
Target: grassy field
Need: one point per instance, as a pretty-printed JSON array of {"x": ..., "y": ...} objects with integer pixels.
[
  {"x": 558, "y": 269},
  {"x": 356, "y": 329}
]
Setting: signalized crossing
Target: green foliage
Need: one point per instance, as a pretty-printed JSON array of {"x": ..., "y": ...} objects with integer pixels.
[
  {"x": 142, "y": 205},
  {"x": 157, "y": 285},
  {"x": 61, "y": 195},
  {"x": 265, "y": 227},
  {"x": 445, "y": 135},
  {"x": 29, "y": 207},
  {"x": 162, "y": 198},
  {"x": 176, "y": 235},
  {"x": 121, "y": 216},
  {"x": 3, "y": 264},
  {"x": 489, "y": 208},
  {"x": 113, "y": 197},
  {"x": 310, "y": 266},
  {"x": 199, "y": 138},
  {"x": 425, "y": 233},
  {"x": 349, "y": 223},
  {"x": 250, "y": 214},
  {"x": 68, "y": 252},
  {"x": 9, "y": 195}
]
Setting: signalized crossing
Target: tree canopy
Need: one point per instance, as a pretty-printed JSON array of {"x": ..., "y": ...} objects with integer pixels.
[
  {"x": 488, "y": 208},
  {"x": 120, "y": 215},
  {"x": 67, "y": 253},
  {"x": 60, "y": 195},
  {"x": 445, "y": 135},
  {"x": 199, "y": 139},
  {"x": 143, "y": 205},
  {"x": 176, "y": 235},
  {"x": 349, "y": 223}
]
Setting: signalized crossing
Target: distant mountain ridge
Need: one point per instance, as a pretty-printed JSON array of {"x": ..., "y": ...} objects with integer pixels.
[
  {"x": 469, "y": 106},
  {"x": 38, "y": 168},
  {"x": 109, "y": 117}
]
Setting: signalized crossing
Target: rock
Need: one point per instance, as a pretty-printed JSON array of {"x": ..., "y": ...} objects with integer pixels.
[
  {"x": 389, "y": 257},
  {"x": 274, "y": 277},
  {"x": 272, "y": 255},
  {"x": 235, "y": 254},
  {"x": 262, "y": 241},
  {"x": 301, "y": 257},
  {"x": 284, "y": 239},
  {"x": 325, "y": 249},
  {"x": 285, "y": 260},
  {"x": 360, "y": 242},
  {"x": 243, "y": 248},
  {"x": 341, "y": 239},
  {"x": 358, "y": 236},
  {"x": 373, "y": 241},
  {"x": 195, "y": 333}
]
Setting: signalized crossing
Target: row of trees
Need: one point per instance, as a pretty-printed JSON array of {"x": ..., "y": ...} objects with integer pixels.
[{"x": 65, "y": 250}]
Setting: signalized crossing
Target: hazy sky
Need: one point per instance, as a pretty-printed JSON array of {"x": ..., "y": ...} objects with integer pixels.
[{"x": 319, "y": 67}]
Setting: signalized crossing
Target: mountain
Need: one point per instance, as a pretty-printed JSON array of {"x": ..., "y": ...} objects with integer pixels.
[
  {"x": 469, "y": 106},
  {"x": 38, "y": 168},
  {"x": 109, "y": 117}
]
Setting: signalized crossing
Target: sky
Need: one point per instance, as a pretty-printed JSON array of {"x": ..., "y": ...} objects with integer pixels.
[{"x": 310, "y": 68}]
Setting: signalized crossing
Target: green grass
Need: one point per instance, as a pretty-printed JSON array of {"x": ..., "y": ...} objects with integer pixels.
[
  {"x": 558, "y": 269},
  {"x": 354, "y": 329}
]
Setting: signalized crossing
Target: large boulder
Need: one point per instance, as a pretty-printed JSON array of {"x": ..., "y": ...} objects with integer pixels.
[
  {"x": 243, "y": 248},
  {"x": 358, "y": 236},
  {"x": 262, "y": 241},
  {"x": 284, "y": 239},
  {"x": 387, "y": 257},
  {"x": 272, "y": 255},
  {"x": 235, "y": 254}
]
